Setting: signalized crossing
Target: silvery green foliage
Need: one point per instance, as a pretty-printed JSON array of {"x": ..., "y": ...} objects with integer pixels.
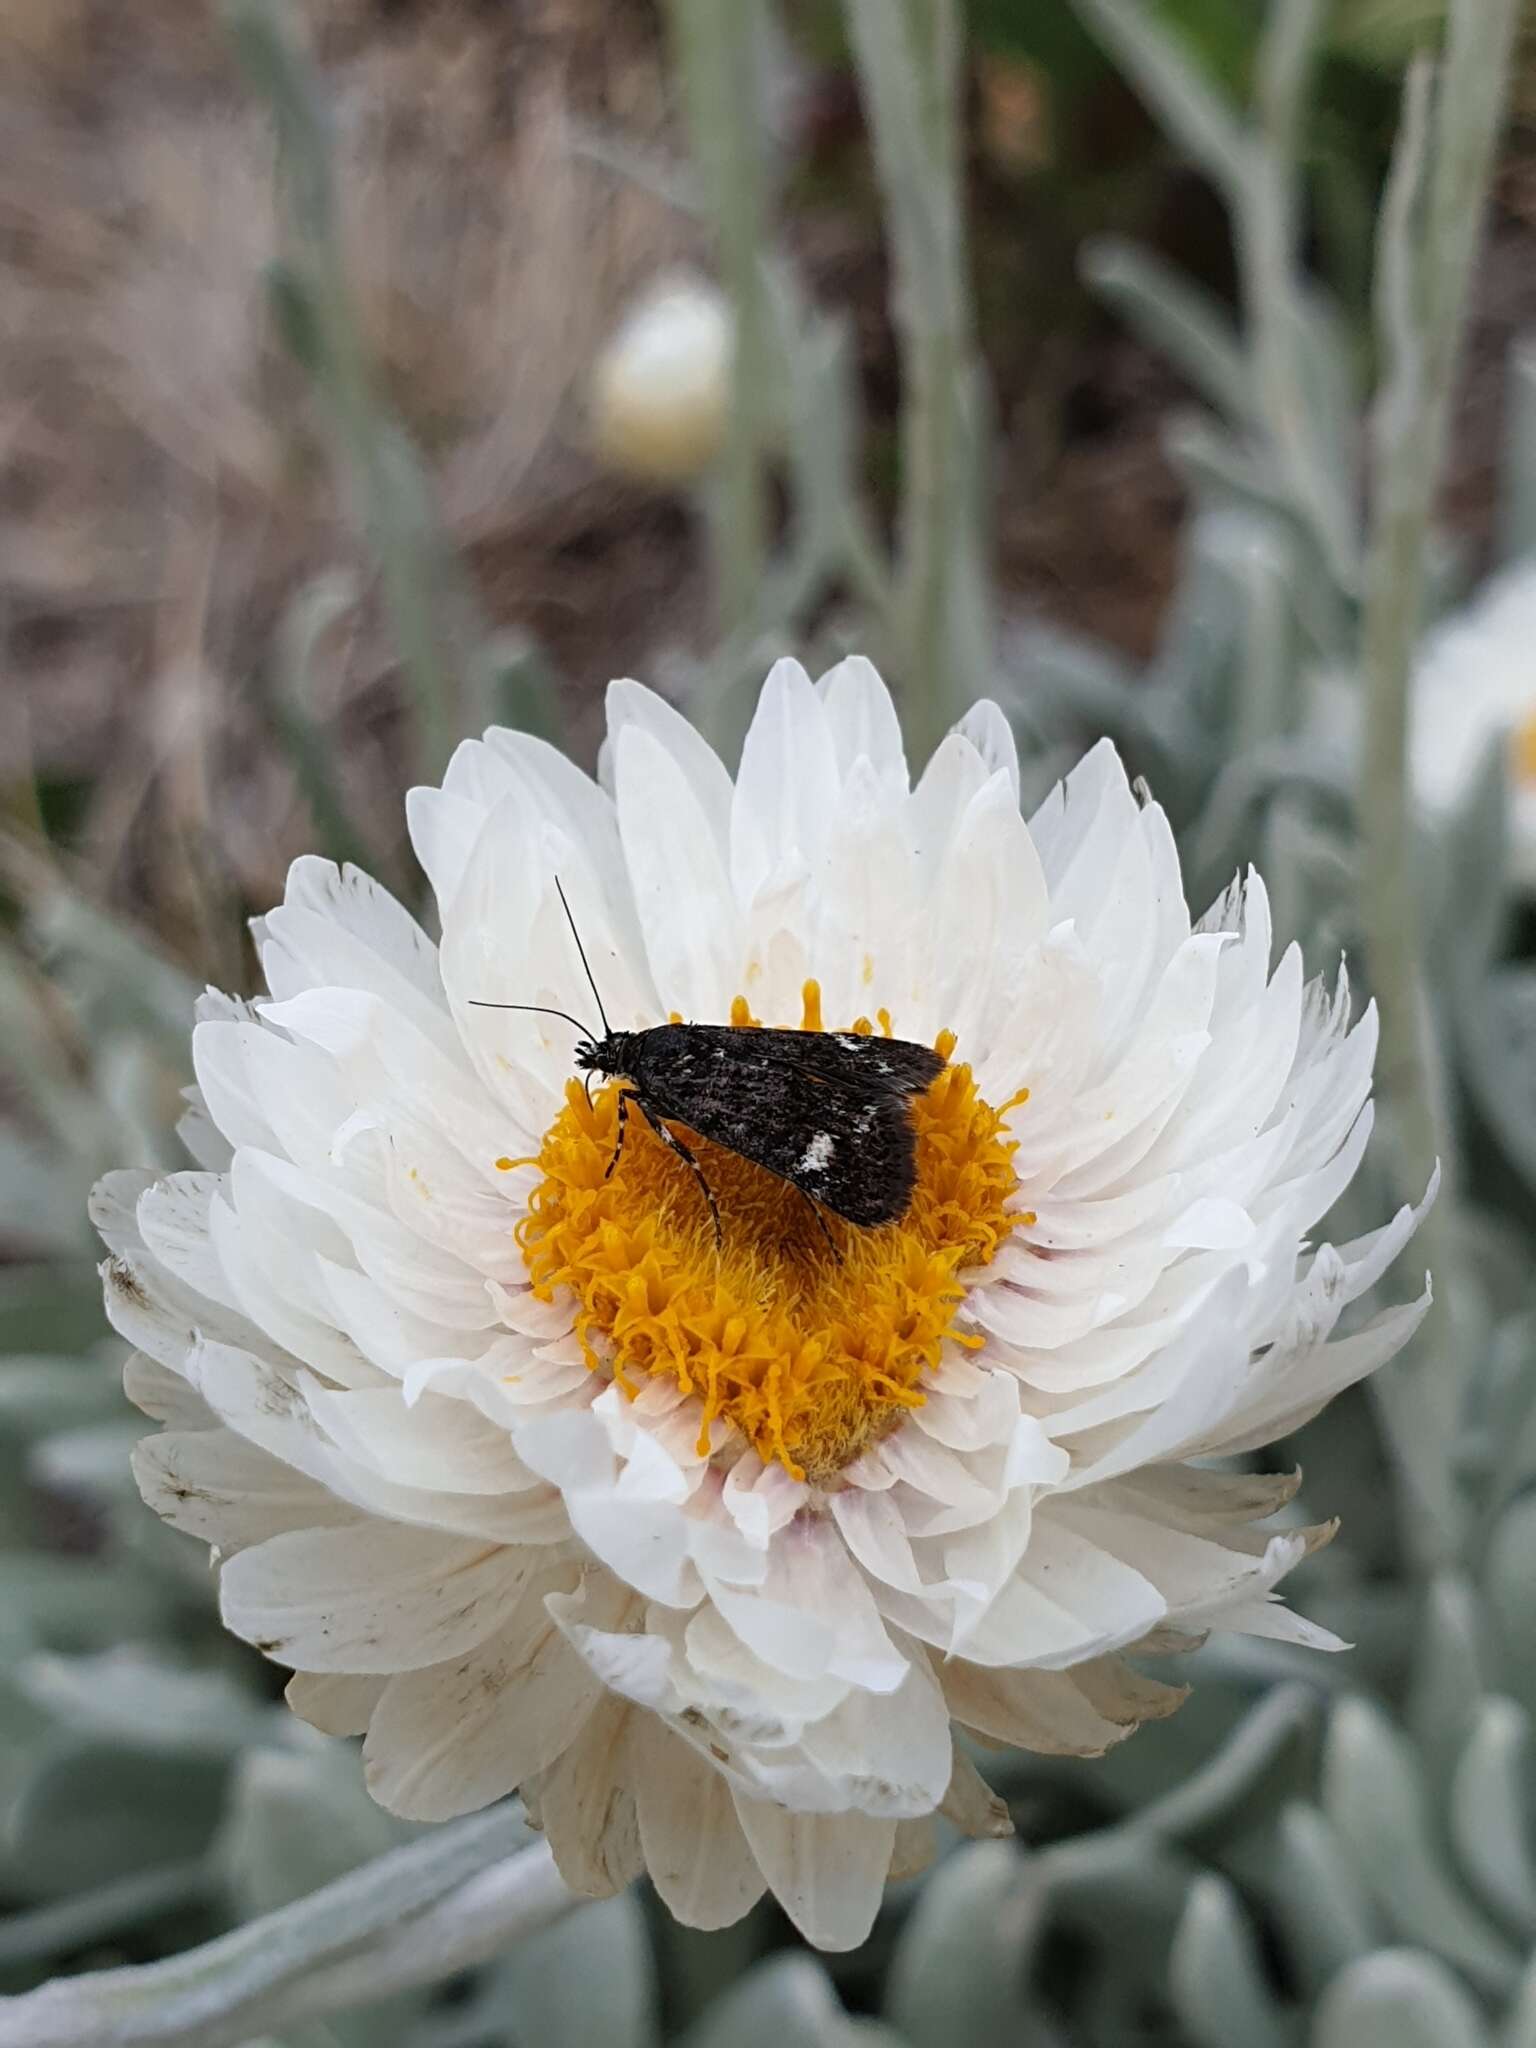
[{"x": 1314, "y": 1852}]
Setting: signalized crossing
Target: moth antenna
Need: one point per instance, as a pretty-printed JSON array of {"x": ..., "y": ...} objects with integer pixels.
[
  {"x": 581, "y": 949},
  {"x": 535, "y": 1010}
]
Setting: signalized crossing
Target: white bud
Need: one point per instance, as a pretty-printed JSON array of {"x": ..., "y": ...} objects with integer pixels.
[{"x": 661, "y": 385}]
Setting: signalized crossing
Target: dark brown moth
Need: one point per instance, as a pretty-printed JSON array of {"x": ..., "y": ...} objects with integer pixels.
[{"x": 829, "y": 1112}]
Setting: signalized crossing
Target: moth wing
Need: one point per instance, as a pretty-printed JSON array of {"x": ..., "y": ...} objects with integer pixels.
[
  {"x": 891, "y": 1066},
  {"x": 852, "y": 1149}
]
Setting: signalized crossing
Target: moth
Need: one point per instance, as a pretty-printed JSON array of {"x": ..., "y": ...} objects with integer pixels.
[{"x": 829, "y": 1112}]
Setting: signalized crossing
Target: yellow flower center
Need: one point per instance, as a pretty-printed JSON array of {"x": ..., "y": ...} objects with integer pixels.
[{"x": 808, "y": 1353}]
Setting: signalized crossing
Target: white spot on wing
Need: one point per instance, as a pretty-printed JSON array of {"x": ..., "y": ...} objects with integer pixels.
[{"x": 817, "y": 1156}]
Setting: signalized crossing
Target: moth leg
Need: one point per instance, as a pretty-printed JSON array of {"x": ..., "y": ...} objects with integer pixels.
[
  {"x": 626, "y": 1097},
  {"x": 670, "y": 1138},
  {"x": 821, "y": 1221}
]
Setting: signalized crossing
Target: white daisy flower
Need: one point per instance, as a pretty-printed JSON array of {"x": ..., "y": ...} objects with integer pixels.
[
  {"x": 709, "y": 1549},
  {"x": 1476, "y": 684}
]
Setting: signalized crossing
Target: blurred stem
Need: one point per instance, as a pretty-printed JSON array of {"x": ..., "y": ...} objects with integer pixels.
[
  {"x": 717, "y": 47},
  {"x": 908, "y": 54},
  {"x": 441, "y": 1904},
  {"x": 315, "y": 311},
  {"x": 1429, "y": 236}
]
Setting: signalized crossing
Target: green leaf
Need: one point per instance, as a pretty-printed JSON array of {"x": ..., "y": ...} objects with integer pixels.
[
  {"x": 1175, "y": 317},
  {"x": 1218, "y": 1986},
  {"x": 1373, "y": 1797},
  {"x": 127, "y": 1695},
  {"x": 1448, "y": 1675},
  {"x": 1509, "y": 1586},
  {"x": 1263, "y": 1765},
  {"x": 1490, "y": 1799},
  {"x": 89, "y": 1464},
  {"x": 40, "y": 1394},
  {"x": 109, "y": 1809},
  {"x": 71, "y": 1603},
  {"x": 1318, "y": 1899},
  {"x": 298, "y": 1819},
  {"x": 957, "y": 1974},
  {"x": 588, "y": 1978},
  {"x": 786, "y": 2003},
  {"x": 1398, "y": 1998},
  {"x": 510, "y": 680}
]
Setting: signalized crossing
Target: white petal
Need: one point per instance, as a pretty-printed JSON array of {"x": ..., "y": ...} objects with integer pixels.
[
  {"x": 456, "y": 1736},
  {"x": 826, "y": 1870},
  {"x": 695, "y": 1850},
  {"x": 369, "y": 1597}
]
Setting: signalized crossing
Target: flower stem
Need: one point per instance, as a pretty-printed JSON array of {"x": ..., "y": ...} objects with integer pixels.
[
  {"x": 717, "y": 49},
  {"x": 1430, "y": 232},
  {"x": 909, "y": 62},
  {"x": 414, "y": 1916}
]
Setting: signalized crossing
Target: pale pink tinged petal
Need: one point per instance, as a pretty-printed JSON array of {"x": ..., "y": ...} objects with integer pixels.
[
  {"x": 989, "y": 732},
  {"x": 971, "y": 1804},
  {"x": 212, "y": 1484},
  {"x": 864, "y": 724},
  {"x": 693, "y": 935},
  {"x": 585, "y": 1803},
  {"x": 371, "y": 1597},
  {"x": 826, "y": 1870},
  {"x": 694, "y": 1847},
  {"x": 940, "y": 1475},
  {"x": 761, "y": 1498},
  {"x": 335, "y": 1702},
  {"x": 630, "y": 703},
  {"x": 716, "y": 1542},
  {"x": 787, "y": 786},
  {"x": 451, "y": 1739},
  {"x": 873, "y": 1529}
]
